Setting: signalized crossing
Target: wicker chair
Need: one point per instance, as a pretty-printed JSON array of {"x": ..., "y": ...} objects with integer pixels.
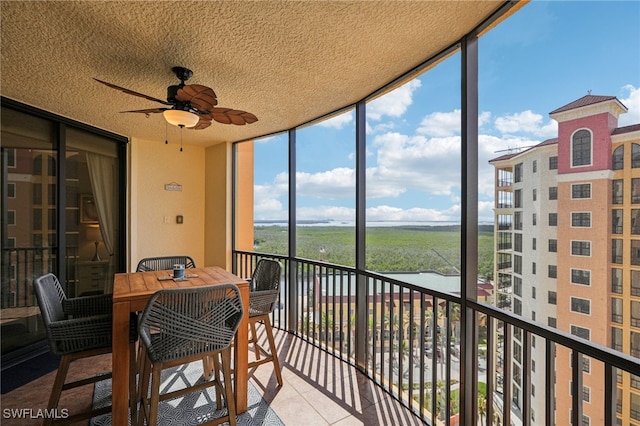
[
  {"x": 183, "y": 325},
  {"x": 265, "y": 287},
  {"x": 164, "y": 262},
  {"x": 77, "y": 328}
]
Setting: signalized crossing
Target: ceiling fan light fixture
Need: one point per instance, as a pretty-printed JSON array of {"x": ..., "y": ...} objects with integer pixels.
[{"x": 181, "y": 118}]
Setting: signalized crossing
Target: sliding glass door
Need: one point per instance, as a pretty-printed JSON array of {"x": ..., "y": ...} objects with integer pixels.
[{"x": 62, "y": 212}]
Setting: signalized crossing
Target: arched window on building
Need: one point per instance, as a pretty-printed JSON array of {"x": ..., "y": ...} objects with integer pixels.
[
  {"x": 581, "y": 148},
  {"x": 635, "y": 155},
  {"x": 618, "y": 157}
]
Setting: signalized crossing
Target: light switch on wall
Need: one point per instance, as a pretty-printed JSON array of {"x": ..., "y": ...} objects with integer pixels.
[{"x": 179, "y": 219}]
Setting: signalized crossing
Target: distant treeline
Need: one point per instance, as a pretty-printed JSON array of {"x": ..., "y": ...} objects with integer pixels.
[
  {"x": 388, "y": 248},
  {"x": 443, "y": 228}
]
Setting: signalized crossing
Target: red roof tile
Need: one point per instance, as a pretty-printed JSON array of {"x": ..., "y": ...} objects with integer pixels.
[
  {"x": 543, "y": 143},
  {"x": 583, "y": 101},
  {"x": 626, "y": 129}
]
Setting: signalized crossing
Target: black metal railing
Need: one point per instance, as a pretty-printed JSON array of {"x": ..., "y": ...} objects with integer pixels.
[
  {"x": 412, "y": 344},
  {"x": 19, "y": 267}
]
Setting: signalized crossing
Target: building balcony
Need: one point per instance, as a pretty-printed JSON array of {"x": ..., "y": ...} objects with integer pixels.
[
  {"x": 393, "y": 341},
  {"x": 346, "y": 365}
]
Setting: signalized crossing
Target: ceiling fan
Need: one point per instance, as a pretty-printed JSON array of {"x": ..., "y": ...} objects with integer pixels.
[{"x": 190, "y": 105}]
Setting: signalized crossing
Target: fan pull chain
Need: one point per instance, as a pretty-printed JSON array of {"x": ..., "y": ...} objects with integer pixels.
[
  {"x": 166, "y": 138},
  {"x": 181, "y": 127}
]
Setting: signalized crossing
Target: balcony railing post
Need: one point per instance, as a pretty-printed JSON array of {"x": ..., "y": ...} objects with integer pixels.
[
  {"x": 576, "y": 387},
  {"x": 610, "y": 395},
  {"x": 469, "y": 225},
  {"x": 360, "y": 246},
  {"x": 550, "y": 382}
]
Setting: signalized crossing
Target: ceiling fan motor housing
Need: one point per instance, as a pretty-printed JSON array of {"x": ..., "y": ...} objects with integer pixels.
[
  {"x": 182, "y": 73},
  {"x": 172, "y": 91}
]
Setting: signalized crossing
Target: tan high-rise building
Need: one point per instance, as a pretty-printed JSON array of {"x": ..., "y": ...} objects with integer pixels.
[{"x": 568, "y": 250}]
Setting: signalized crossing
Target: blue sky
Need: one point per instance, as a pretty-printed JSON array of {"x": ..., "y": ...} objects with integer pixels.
[{"x": 545, "y": 56}]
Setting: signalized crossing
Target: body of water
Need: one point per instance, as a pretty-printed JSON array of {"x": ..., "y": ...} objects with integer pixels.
[{"x": 347, "y": 223}]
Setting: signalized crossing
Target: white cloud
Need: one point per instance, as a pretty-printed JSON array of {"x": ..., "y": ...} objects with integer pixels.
[
  {"x": 331, "y": 184},
  {"x": 393, "y": 103},
  {"x": 440, "y": 124},
  {"x": 384, "y": 212},
  {"x": 381, "y": 127},
  {"x": 526, "y": 122},
  {"x": 632, "y": 102},
  {"x": 326, "y": 212},
  {"x": 338, "y": 122},
  {"x": 266, "y": 203},
  {"x": 485, "y": 211},
  {"x": 415, "y": 162},
  {"x": 484, "y": 118}
]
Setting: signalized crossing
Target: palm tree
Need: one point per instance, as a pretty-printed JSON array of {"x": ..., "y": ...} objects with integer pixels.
[
  {"x": 454, "y": 320},
  {"x": 482, "y": 408}
]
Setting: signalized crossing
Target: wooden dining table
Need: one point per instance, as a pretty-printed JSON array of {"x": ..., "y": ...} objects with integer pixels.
[{"x": 131, "y": 291}]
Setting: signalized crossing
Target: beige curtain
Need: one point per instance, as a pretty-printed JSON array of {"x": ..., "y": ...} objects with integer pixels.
[{"x": 102, "y": 176}]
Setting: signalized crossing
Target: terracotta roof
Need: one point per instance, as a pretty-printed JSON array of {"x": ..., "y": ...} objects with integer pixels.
[
  {"x": 507, "y": 156},
  {"x": 547, "y": 142},
  {"x": 583, "y": 101},
  {"x": 503, "y": 157},
  {"x": 626, "y": 129}
]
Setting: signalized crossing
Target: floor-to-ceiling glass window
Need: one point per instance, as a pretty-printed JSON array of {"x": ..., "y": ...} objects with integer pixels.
[
  {"x": 413, "y": 224},
  {"x": 325, "y": 190},
  {"x": 29, "y": 222},
  {"x": 271, "y": 194},
  {"x": 60, "y": 214},
  {"x": 413, "y": 178},
  {"x": 92, "y": 209}
]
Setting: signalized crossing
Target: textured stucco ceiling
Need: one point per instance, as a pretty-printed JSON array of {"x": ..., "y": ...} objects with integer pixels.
[{"x": 287, "y": 62}]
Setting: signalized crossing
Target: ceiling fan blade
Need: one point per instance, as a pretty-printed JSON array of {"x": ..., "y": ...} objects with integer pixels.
[
  {"x": 202, "y": 98},
  {"x": 202, "y": 124},
  {"x": 149, "y": 111},
  {"x": 131, "y": 92},
  {"x": 232, "y": 116}
]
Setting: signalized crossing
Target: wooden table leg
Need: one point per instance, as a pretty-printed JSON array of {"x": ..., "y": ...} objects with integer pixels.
[
  {"x": 242, "y": 355},
  {"x": 120, "y": 364}
]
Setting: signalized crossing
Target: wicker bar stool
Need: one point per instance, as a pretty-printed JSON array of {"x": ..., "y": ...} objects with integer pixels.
[
  {"x": 78, "y": 328},
  {"x": 161, "y": 263},
  {"x": 183, "y": 325},
  {"x": 263, "y": 295}
]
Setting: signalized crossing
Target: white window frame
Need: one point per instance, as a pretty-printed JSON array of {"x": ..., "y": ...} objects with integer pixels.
[
  {"x": 580, "y": 213},
  {"x": 581, "y": 327},
  {"x": 572, "y": 298},
  {"x": 580, "y": 184},
  {"x": 579, "y": 269},
  {"x": 580, "y": 255},
  {"x": 590, "y": 149}
]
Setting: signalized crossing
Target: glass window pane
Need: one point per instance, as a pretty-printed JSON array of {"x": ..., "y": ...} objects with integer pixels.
[
  {"x": 413, "y": 180},
  {"x": 30, "y": 247},
  {"x": 325, "y": 190},
  {"x": 262, "y": 182},
  {"x": 91, "y": 213}
]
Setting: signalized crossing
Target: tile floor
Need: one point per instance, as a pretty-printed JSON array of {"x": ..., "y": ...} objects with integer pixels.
[{"x": 318, "y": 390}]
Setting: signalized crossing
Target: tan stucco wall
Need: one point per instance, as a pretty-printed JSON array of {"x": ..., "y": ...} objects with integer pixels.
[
  {"x": 205, "y": 202},
  {"x": 217, "y": 184},
  {"x": 244, "y": 207},
  {"x": 152, "y": 164}
]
